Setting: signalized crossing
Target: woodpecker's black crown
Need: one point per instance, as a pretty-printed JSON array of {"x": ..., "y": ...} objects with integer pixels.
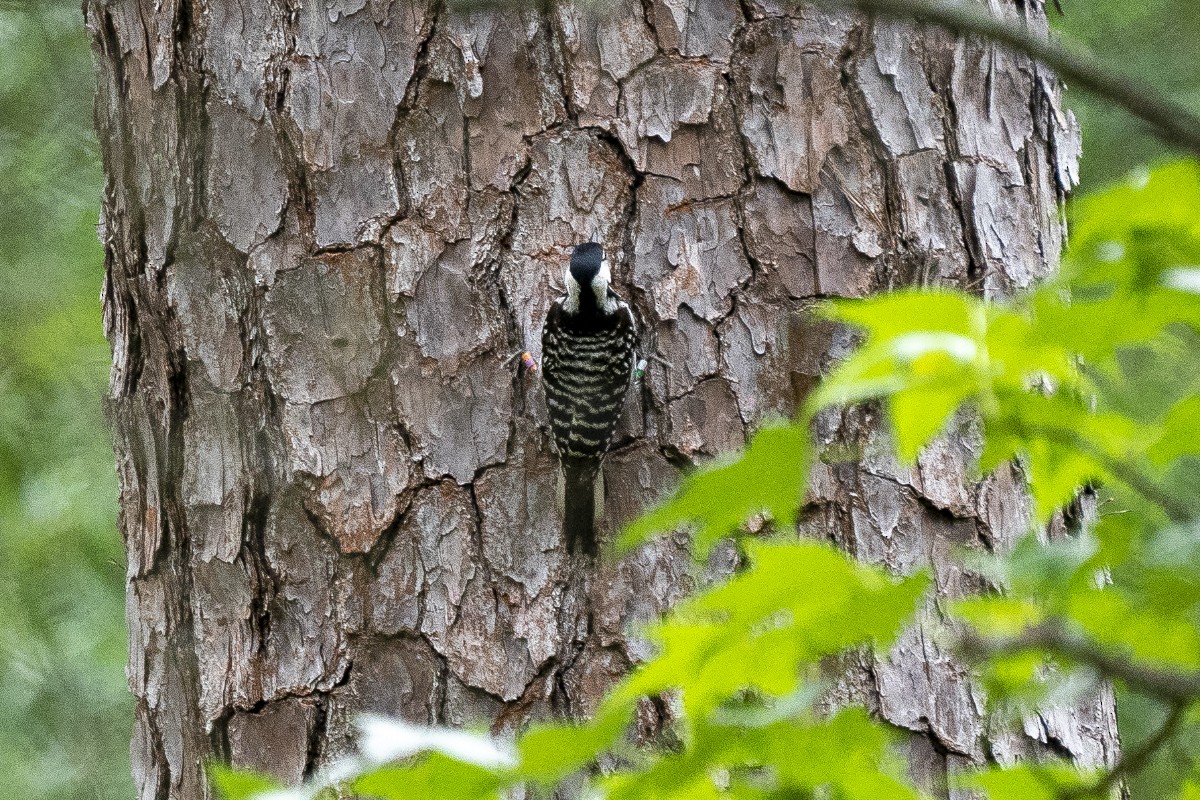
[{"x": 586, "y": 259}]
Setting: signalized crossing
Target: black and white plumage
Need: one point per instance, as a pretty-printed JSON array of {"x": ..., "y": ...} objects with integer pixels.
[{"x": 588, "y": 341}]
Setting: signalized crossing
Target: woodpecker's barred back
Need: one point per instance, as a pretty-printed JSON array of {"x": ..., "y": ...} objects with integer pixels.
[{"x": 587, "y": 361}]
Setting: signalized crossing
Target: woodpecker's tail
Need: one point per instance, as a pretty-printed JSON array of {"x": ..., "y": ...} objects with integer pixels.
[{"x": 579, "y": 506}]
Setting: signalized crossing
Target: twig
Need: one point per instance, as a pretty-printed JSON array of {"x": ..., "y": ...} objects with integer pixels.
[
  {"x": 1177, "y": 511},
  {"x": 1171, "y": 121},
  {"x": 1132, "y": 762},
  {"x": 1177, "y": 688}
]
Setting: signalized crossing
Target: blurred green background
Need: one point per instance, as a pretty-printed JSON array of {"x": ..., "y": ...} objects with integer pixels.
[
  {"x": 66, "y": 715},
  {"x": 1156, "y": 40}
]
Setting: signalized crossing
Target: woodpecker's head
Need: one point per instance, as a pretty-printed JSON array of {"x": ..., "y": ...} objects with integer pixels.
[{"x": 587, "y": 278}]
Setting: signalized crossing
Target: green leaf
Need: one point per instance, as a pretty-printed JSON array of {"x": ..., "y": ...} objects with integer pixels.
[
  {"x": 551, "y": 752},
  {"x": 1162, "y": 211},
  {"x": 240, "y": 784},
  {"x": 680, "y": 775},
  {"x": 1162, "y": 571},
  {"x": 1000, "y": 445},
  {"x": 847, "y": 755},
  {"x": 887, "y": 316},
  {"x": 918, "y": 414},
  {"x": 436, "y": 777},
  {"x": 1025, "y": 782},
  {"x": 1145, "y": 382},
  {"x": 1180, "y": 433},
  {"x": 1047, "y": 572},
  {"x": 850, "y": 752},
  {"x": 1097, "y": 329},
  {"x": 1156, "y": 636},
  {"x": 797, "y": 603},
  {"x": 1019, "y": 676},
  {"x": 769, "y": 477},
  {"x": 1056, "y": 474},
  {"x": 999, "y": 615}
]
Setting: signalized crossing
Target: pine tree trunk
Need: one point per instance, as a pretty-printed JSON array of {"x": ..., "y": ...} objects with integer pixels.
[{"x": 329, "y": 224}]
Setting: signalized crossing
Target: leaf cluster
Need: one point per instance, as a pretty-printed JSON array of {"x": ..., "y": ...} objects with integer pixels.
[
  {"x": 1088, "y": 383},
  {"x": 741, "y": 662},
  {"x": 1091, "y": 380}
]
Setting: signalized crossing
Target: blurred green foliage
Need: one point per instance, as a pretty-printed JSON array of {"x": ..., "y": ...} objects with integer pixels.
[
  {"x": 1054, "y": 379},
  {"x": 742, "y": 659},
  {"x": 1092, "y": 379},
  {"x": 62, "y": 698},
  {"x": 66, "y": 712},
  {"x": 1158, "y": 41}
]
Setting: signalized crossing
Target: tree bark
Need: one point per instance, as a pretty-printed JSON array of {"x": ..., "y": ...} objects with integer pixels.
[{"x": 329, "y": 224}]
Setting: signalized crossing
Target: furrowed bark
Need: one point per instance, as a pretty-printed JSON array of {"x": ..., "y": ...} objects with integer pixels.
[{"x": 327, "y": 227}]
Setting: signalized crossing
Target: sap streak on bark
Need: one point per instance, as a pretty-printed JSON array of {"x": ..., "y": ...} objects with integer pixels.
[{"x": 327, "y": 226}]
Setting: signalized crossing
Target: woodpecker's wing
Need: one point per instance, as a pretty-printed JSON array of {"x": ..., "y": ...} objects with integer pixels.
[{"x": 587, "y": 363}]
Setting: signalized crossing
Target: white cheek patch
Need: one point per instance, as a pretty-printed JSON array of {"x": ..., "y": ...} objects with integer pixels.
[
  {"x": 600, "y": 285},
  {"x": 603, "y": 278},
  {"x": 571, "y": 303}
]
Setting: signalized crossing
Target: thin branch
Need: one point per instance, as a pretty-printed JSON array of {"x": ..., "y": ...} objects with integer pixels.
[
  {"x": 1133, "y": 761},
  {"x": 1177, "y": 511},
  {"x": 1176, "y": 688},
  {"x": 1180, "y": 689},
  {"x": 1172, "y": 122}
]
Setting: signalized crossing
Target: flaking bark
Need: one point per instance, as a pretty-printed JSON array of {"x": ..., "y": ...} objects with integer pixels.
[{"x": 328, "y": 225}]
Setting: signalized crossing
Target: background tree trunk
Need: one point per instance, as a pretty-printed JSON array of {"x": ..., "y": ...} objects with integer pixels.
[{"x": 328, "y": 225}]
